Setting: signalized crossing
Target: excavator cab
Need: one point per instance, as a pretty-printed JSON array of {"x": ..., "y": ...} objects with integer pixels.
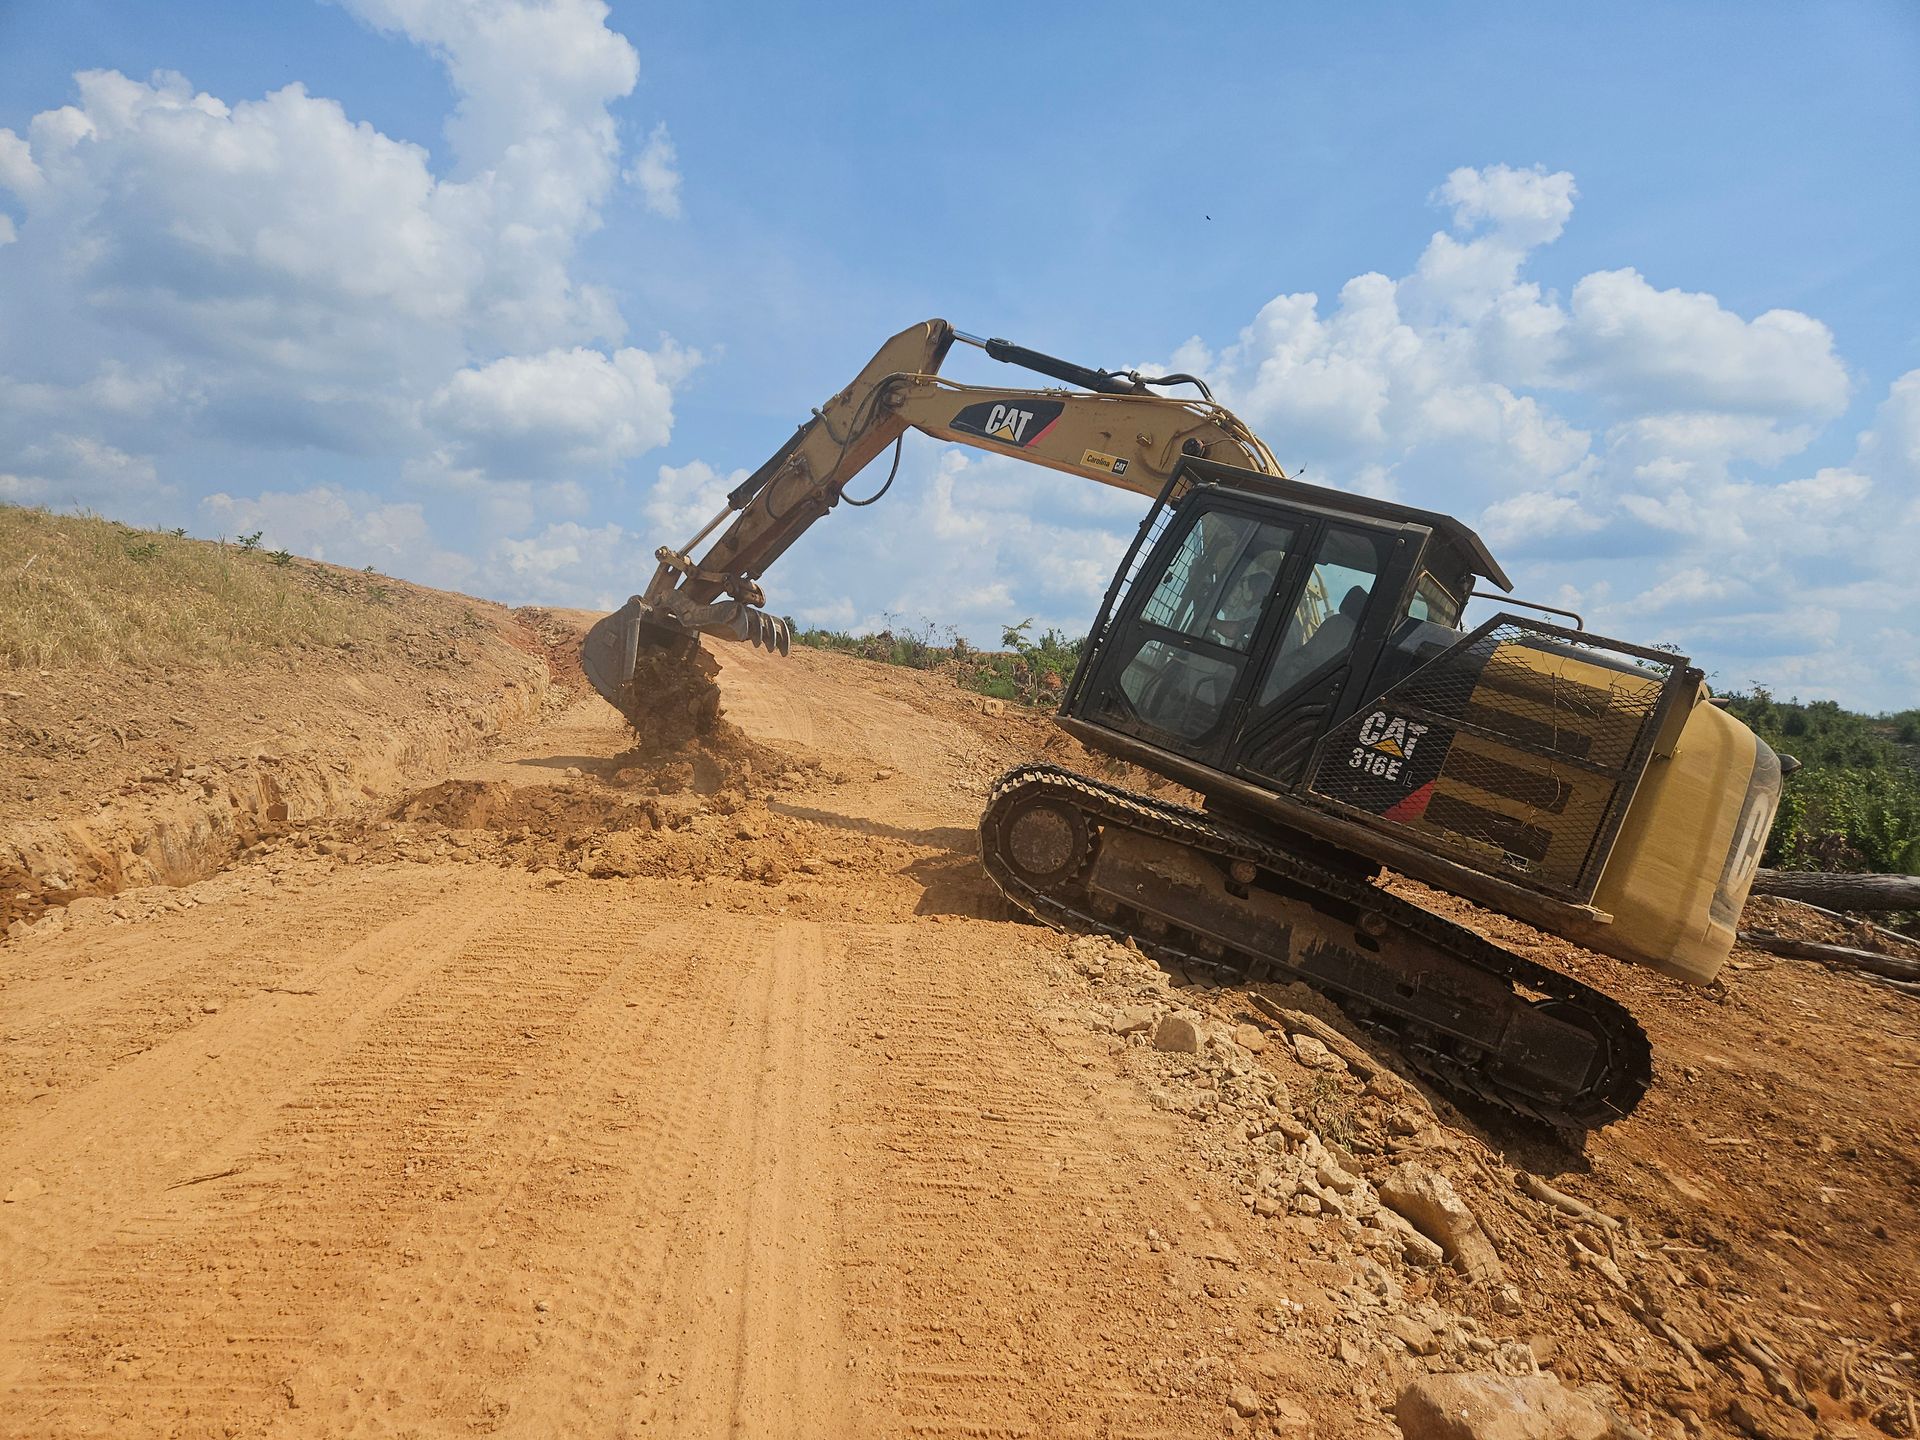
[{"x": 1260, "y": 611}]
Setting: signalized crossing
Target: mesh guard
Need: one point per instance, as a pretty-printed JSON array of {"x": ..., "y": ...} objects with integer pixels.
[{"x": 1515, "y": 752}]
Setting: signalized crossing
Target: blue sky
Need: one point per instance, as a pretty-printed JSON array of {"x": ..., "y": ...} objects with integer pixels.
[{"x": 503, "y": 292}]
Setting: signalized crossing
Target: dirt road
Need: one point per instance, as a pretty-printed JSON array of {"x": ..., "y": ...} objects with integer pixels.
[
  {"x": 598, "y": 1094},
  {"x": 422, "y": 1146}
]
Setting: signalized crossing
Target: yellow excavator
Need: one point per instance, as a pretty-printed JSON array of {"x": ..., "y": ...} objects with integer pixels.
[{"x": 1296, "y": 656}]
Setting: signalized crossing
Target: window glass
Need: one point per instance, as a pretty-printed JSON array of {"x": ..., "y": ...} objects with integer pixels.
[
  {"x": 1220, "y": 579},
  {"x": 1432, "y": 602},
  {"x": 1323, "y": 623},
  {"x": 1177, "y": 690}
]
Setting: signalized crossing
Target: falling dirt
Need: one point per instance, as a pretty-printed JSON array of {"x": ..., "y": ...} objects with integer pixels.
[
  {"x": 672, "y": 698},
  {"x": 705, "y": 1086}
]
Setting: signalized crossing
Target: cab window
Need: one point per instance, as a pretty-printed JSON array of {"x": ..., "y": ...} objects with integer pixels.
[
  {"x": 1432, "y": 602},
  {"x": 1218, "y": 583},
  {"x": 1327, "y": 616}
]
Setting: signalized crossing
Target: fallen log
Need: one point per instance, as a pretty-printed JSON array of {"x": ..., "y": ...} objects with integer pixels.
[
  {"x": 1841, "y": 892},
  {"x": 1856, "y": 924},
  {"x": 1838, "y": 956}
]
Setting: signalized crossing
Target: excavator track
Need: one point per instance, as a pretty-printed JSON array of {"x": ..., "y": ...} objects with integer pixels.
[{"x": 1477, "y": 1019}]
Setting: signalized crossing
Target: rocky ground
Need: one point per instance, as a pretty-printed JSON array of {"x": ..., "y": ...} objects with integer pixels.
[{"x": 595, "y": 1088}]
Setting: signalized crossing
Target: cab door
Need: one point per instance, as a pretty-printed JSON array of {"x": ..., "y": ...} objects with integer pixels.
[
  {"x": 1317, "y": 664},
  {"x": 1176, "y": 671}
]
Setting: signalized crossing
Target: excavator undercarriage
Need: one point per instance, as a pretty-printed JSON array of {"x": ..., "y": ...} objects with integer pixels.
[{"x": 1231, "y": 902}]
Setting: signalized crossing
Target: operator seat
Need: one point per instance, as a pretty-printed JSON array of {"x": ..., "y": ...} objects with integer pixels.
[{"x": 1332, "y": 640}]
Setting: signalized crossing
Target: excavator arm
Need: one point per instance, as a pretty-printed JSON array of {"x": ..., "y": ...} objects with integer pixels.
[{"x": 1113, "y": 429}]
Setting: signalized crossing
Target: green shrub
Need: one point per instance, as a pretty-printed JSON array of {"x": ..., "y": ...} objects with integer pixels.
[
  {"x": 1028, "y": 672},
  {"x": 1855, "y": 804}
]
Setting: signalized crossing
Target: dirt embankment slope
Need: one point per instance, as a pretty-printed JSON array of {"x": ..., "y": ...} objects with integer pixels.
[
  {"x": 165, "y": 703},
  {"x": 598, "y": 1092}
]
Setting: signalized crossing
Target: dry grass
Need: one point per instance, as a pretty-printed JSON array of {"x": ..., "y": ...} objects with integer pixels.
[{"x": 81, "y": 591}]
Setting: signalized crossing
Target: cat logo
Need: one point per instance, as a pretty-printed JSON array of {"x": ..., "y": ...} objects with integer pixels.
[
  {"x": 1387, "y": 742},
  {"x": 1008, "y": 424},
  {"x": 1018, "y": 425},
  {"x": 1100, "y": 460}
]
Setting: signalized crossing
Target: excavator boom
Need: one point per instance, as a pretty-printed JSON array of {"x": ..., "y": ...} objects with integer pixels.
[{"x": 1122, "y": 434}]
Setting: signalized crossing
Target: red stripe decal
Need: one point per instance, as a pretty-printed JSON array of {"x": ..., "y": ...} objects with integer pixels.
[{"x": 1412, "y": 807}]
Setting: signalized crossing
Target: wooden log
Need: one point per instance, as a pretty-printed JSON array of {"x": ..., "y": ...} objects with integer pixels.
[
  {"x": 1854, "y": 922},
  {"x": 1841, "y": 892},
  {"x": 1839, "y": 956},
  {"x": 1560, "y": 1200}
]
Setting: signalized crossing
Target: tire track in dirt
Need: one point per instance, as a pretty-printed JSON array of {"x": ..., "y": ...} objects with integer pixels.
[
  {"x": 997, "y": 1192},
  {"x": 590, "y": 1158},
  {"x": 106, "y": 995},
  {"x": 117, "y": 1149}
]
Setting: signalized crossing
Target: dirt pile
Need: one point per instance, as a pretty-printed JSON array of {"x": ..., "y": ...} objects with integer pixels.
[
  {"x": 160, "y": 714},
  {"x": 1792, "y": 920}
]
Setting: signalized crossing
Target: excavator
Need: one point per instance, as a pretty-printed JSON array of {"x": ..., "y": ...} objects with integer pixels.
[{"x": 1296, "y": 657}]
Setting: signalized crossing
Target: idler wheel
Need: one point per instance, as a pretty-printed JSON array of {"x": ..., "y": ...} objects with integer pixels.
[{"x": 1046, "y": 841}]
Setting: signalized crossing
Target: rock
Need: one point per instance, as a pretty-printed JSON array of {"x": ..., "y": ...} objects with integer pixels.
[
  {"x": 1428, "y": 1201},
  {"x": 25, "y": 1188},
  {"x": 1177, "y": 1034},
  {"x": 1133, "y": 1022},
  {"x": 1415, "y": 1248},
  {"x": 1315, "y": 1055},
  {"x": 1244, "y": 1401},
  {"x": 1497, "y": 1407},
  {"x": 1267, "y": 1207},
  {"x": 1768, "y": 1422},
  {"x": 212, "y": 1007},
  {"x": 1221, "y": 1251},
  {"x": 1287, "y": 1418},
  {"x": 1507, "y": 1301},
  {"x": 1412, "y": 1334},
  {"x": 1329, "y": 1174},
  {"x": 1250, "y": 1037}
]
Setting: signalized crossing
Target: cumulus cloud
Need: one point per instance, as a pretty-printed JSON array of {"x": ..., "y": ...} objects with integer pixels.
[
  {"x": 79, "y": 470},
  {"x": 685, "y": 497},
  {"x": 576, "y": 408},
  {"x": 656, "y": 171},
  {"x": 348, "y": 528},
  {"x": 1629, "y": 445},
  {"x": 326, "y": 287}
]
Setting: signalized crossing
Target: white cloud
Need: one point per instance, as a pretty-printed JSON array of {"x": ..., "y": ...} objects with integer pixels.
[
  {"x": 1892, "y": 447},
  {"x": 1668, "y": 350},
  {"x": 1535, "y": 515},
  {"x": 572, "y": 408},
  {"x": 80, "y": 470},
  {"x": 325, "y": 285},
  {"x": 656, "y": 171},
  {"x": 1627, "y": 442},
  {"x": 326, "y": 523},
  {"x": 685, "y": 497}
]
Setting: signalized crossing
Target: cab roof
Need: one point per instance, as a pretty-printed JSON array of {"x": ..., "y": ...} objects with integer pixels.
[{"x": 1470, "y": 547}]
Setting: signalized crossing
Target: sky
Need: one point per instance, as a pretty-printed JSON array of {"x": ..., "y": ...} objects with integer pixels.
[{"x": 499, "y": 294}]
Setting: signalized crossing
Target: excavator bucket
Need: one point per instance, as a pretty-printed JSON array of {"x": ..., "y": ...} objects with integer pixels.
[
  {"x": 609, "y": 652},
  {"x": 616, "y": 644}
]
